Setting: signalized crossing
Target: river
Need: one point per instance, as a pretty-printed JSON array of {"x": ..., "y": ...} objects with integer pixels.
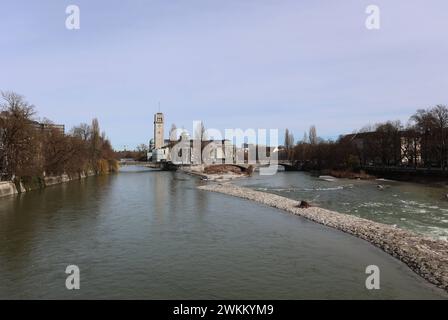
[
  {"x": 144, "y": 234},
  {"x": 416, "y": 207}
]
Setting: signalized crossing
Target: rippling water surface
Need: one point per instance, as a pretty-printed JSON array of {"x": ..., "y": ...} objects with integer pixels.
[
  {"x": 152, "y": 235},
  {"x": 417, "y": 207}
]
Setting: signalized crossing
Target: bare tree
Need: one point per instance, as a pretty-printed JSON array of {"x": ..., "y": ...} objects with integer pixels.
[
  {"x": 289, "y": 144},
  {"x": 432, "y": 126},
  {"x": 142, "y": 150},
  {"x": 389, "y": 143},
  {"x": 305, "y": 138},
  {"x": 312, "y": 136},
  {"x": 82, "y": 131},
  {"x": 440, "y": 115},
  {"x": 19, "y": 137},
  {"x": 410, "y": 145},
  {"x": 30, "y": 149},
  {"x": 95, "y": 144},
  {"x": 56, "y": 152}
]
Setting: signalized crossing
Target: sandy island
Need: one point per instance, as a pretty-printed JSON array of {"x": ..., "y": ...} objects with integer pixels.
[{"x": 218, "y": 173}]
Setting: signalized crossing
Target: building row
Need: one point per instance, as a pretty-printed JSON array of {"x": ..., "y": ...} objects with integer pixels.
[{"x": 186, "y": 150}]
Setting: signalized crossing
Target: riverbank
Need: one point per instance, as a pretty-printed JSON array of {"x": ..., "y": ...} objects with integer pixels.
[
  {"x": 425, "y": 256},
  {"x": 421, "y": 176},
  {"x": 10, "y": 188}
]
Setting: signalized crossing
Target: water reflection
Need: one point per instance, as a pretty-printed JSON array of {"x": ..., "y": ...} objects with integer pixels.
[{"x": 146, "y": 234}]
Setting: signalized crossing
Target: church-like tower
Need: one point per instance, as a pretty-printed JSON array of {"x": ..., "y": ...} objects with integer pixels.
[{"x": 158, "y": 130}]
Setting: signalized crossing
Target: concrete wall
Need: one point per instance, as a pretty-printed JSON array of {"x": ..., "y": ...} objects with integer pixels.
[
  {"x": 7, "y": 188},
  {"x": 49, "y": 181}
]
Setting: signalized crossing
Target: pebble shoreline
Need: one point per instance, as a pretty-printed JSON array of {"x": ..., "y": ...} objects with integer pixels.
[{"x": 425, "y": 256}]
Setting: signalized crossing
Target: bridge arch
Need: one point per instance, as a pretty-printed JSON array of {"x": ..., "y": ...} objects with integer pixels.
[{"x": 290, "y": 165}]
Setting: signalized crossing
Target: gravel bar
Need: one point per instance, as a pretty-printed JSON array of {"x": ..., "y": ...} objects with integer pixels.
[{"x": 425, "y": 256}]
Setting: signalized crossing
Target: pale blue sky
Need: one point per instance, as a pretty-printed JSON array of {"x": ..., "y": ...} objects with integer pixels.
[{"x": 233, "y": 63}]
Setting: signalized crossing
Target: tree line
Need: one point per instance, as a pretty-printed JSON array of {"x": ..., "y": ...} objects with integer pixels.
[
  {"x": 32, "y": 149},
  {"x": 421, "y": 143}
]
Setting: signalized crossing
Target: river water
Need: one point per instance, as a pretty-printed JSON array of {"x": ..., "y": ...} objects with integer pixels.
[
  {"x": 152, "y": 235},
  {"x": 417, "y": 207}
]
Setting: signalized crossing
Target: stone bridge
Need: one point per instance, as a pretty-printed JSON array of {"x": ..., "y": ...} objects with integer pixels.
[{"x": 290, "y": 165}]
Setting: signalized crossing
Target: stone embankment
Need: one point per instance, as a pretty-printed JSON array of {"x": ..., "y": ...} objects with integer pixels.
[
  {"x": 427, "y": 257},
  {"x": 9, "y": 188}
]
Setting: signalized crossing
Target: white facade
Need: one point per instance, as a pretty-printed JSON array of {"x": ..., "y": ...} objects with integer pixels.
[{"x": 160, "y": 155}]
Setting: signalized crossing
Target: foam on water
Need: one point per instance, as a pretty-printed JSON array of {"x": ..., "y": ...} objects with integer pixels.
[
  {"x": 325, "y": 189},
  {"x": 411, "y": 206}
]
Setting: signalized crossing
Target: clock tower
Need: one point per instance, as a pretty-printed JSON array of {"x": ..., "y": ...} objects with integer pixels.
[{"x": 158, "y": 130}]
